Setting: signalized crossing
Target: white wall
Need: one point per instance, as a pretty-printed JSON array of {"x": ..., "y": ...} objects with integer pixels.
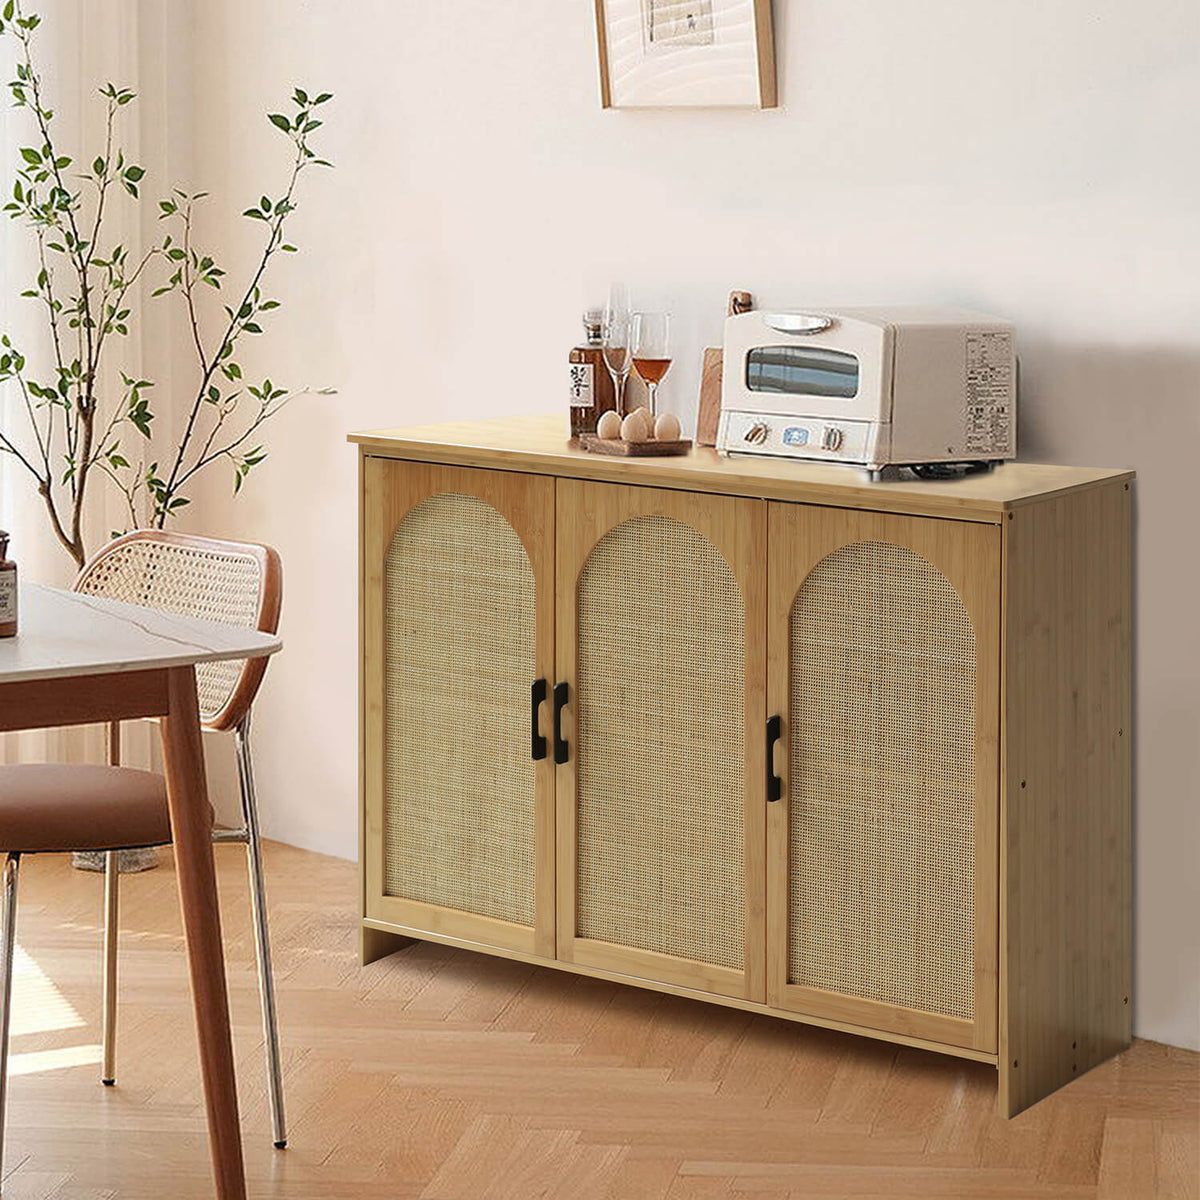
[{"x": 1036, "y": 160}]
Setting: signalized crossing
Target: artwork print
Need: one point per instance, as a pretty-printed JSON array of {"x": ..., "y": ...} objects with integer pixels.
[
  {"x": 686, "y": 53},
  {"x": 679, "y": 23}
]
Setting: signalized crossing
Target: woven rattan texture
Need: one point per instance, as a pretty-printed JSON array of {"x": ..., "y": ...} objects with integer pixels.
[
  {"x": 214, "y": 585},
  {"x": 460, "y": 628},
  {"x": 883, "y": 782},
  {"x": 661, "y": 756}
]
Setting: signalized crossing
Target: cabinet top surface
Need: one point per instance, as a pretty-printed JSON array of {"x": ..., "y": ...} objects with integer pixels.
[{"x": 539, "y": 444}]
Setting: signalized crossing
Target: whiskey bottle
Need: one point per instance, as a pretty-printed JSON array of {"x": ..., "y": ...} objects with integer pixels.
[{"x": 591, "y": 388}]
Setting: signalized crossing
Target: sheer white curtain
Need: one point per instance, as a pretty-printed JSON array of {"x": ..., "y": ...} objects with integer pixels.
[{"x": 80, "y": 46}]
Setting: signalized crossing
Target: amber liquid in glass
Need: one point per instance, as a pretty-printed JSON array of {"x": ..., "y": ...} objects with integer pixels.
[{"x": 652, "y": 370}]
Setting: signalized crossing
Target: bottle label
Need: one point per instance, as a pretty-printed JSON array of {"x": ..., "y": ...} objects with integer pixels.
[
  {"x": 8, "y": 597},
  {"x": 582, "y": 379}
]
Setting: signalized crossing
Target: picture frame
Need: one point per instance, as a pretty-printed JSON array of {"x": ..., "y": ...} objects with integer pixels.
[{"x": 686, "y": 53}]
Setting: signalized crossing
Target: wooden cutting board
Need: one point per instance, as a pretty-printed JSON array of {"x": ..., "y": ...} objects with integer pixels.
[
  {"x": 651, "y": 449},
  {"x": 708, "y": 416}
]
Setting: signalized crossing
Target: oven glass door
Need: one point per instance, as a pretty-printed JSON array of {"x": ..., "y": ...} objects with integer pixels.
[{"x": 841, "y": 373}]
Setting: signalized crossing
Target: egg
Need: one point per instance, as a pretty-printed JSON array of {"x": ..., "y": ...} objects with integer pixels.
[
  {"x": 634, "y": 428},
  {"x": 666, "y": 428},
  {"x": 647, "y": 420},
  {"x": 609, "y": 425}
]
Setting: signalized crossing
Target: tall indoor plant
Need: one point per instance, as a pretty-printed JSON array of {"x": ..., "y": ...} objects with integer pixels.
[{"x": 77, "y": 426}]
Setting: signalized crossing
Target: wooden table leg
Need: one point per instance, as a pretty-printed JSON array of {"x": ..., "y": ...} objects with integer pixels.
[{"x": 191, "y": 826}]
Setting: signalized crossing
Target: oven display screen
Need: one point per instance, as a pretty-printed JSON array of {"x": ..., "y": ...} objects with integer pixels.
[{"x": 800, "y": 370}]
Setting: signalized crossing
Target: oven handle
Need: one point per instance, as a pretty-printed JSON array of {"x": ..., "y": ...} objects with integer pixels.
[{"x": 797, "y": 323}]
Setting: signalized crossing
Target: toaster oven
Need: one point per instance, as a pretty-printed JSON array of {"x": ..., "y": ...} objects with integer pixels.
[{"x": 877, "y": 387}]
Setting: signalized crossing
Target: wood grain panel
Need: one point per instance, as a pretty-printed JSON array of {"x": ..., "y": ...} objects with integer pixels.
[
  {"x": 736, "y": 528},
  {"x": 391, "y": 490},
  {"x": 1065, "y": 981},
  {"x": 540, "y": 444},
  {"x": 968, "y": 556},
  {"x": 82, "y": 700}
]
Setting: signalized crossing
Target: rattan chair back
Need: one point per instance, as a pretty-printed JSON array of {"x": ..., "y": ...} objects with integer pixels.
[{"x": 238, "y": 583}]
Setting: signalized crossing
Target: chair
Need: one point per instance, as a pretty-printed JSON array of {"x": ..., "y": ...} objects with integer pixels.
[{"x": 48, "y": 808}]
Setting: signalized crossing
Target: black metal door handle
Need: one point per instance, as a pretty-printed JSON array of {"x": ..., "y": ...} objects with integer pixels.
[
  {"x": 774, "y": 783},
  {"x": 537, "y": 743},
  {"x": 561, "y": 694}
]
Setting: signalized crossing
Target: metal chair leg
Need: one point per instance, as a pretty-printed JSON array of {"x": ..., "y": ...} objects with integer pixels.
[
  {"x": 112, "y": 875},
  {"x": 7, "y": 943},
  {"x": 258, "y": 900}
]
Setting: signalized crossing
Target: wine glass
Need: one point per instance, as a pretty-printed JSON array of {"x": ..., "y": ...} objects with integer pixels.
[
  {"x": 652, "y": 351},
  {"x": 617, "y": 356}
]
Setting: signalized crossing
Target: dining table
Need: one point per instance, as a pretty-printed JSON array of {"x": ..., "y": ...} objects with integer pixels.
[{"x": 79, "y": 659}]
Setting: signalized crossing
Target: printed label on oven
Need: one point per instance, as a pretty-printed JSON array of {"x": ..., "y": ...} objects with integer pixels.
[
  {"x": 581, "y": 385},
  {"x": 989, "y": 395}
]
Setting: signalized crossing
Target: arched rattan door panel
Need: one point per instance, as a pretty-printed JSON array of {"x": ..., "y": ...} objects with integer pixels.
[
  {"x": 883, "y": 851},
  {"x": 458, "y": 600},
  {"x": 660, "y": 801}
]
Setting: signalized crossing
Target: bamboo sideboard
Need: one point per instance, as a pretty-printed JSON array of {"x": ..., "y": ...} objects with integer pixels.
[{"x": 759, "y": 733}]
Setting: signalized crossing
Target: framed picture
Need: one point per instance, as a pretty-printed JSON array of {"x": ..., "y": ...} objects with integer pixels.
[{"x": 686, "y": 53}]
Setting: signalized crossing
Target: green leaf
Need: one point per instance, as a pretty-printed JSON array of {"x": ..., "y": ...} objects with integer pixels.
[
  {"x": 134, "y": 174},
  {"x": 301, "y": 96},
  {"x": 323, "y": 97},
  {"x": 30, "y": 155},
  {"x": 280, "y": 122}
]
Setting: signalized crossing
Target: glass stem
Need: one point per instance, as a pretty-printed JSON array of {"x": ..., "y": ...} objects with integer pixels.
[
  {"x": 653, "y": 390},
  {"x": 616, "y": 378}
]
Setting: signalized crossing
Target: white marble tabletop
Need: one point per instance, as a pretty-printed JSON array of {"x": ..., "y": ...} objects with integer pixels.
[{"x": 66, "y": 633}]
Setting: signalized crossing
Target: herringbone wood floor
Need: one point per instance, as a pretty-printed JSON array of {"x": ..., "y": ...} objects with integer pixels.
[{"x": 450, "y": 1076}]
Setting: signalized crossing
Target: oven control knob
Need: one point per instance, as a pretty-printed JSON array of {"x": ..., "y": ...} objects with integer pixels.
[
  {"x": 757, "y": 434},
  {"x": 831, "y": 439}
]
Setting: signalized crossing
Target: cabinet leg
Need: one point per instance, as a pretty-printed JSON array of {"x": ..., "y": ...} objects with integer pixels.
[{"x": 375, "y": 944}]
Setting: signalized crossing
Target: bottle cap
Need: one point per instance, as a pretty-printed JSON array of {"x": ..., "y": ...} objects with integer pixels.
[
  {"x": 3, "y": 544},
  {"x": 593, "y": 324}
]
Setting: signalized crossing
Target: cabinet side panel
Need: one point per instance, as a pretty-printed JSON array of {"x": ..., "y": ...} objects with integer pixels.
[{"x": 1065, "y": 788}]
